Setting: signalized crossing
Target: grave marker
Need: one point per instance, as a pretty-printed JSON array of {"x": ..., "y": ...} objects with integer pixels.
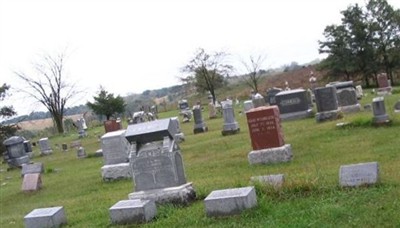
[
  {"x": 327, "y": 105},
  {"x": 45, "y": 217},
  {"x": 359, "y": 174},
  {"x": 132, "y": 211},
  {"x": 31, "y": 182},
  {"x": 230, "y": 125},
  {"x": 293, "y": 104}
]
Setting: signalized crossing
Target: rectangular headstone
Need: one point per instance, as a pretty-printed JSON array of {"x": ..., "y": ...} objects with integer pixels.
[
  {"x": 32, "y": 168},
  {"x": 45, "y": 217},
  {"x": 112, "y": 125},
  {"x": 383, "y": 80},
  {"x": 45, "y": 146},
  {"x": 145, "y": 132},
  {"x": 31, "y": 182},
  {"x": 326, "y": 99},
  {"x": 359, "y": 174},
  {"x": 115, "y": 147},
  {"x": 292, "y": 101},
  {"x": 230, "y": 201},
  {"x": 265, "y": 127},
  {"x": 132, "y": 211}
]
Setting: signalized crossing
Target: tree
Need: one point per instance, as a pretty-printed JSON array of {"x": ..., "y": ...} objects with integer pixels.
[
  {"x": 208, "y": 70},
  {"x": 5, "y": 112},
  {"x": 254, "y": 74},
  {"x": 106, "y": 104}
]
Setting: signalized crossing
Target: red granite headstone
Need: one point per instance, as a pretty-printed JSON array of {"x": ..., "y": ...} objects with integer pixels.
[
  {"x": 111, "y": 125},
  {"x": 31, "y": 182},
  {"x": 265, "y": 127},
  {"x": 383, "y": 80}
]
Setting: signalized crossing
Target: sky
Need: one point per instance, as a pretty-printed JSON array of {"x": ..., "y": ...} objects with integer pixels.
[{"x": 131, "y": 46}]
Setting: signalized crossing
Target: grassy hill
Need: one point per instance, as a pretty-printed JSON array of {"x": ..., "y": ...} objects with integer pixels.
[{"x": 310, "y": 196}]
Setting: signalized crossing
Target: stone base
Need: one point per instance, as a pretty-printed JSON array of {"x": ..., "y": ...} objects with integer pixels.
[
  {"x": 382, "y": 119},
  {"x": 384, "y": 91},
  {"x": 199, "y": 128},
  {"x": 179, "y": 137},
  {"x": 326, "y": 116},
  {"x": 18, "y": 162},
  {"x": 116, "y": 172},
  {"x": 297, "y": 115},
  {"x": 230, "y": 201},
  {"x": 271, "y": 155},
  {"x": 98, "y": 153},
  {"x": 46, "y": 152},
  {"x": 350, "y": 108},
  {"x": 183, "y": 194},
  {"x": 45, "y": 217},
  {"x": 132, "y": 211},
  {"x": 230, "y": 132}
]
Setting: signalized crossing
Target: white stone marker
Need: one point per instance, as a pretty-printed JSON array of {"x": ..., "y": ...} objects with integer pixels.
[
  {"x": 45, "y": 217},
  {"x": 132, "y": 211},
  {"x": 359, "y": 174}
]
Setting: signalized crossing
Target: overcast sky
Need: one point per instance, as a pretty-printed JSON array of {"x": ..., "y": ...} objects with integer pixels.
[{"x": 131, "y": 46}]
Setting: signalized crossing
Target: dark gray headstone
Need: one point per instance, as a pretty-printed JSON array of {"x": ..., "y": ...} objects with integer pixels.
[
  {"x": 326, "y": 99},
  {"x": 292, "y": 101},
  {"x": 15, "y": 146},
  {"x": 32, "y": 168},
  {"x": 347, "y": 97},
  {"x": 199, "y": 124},
  {"x": 397, "y": 106},
  {"x": 145, "y": 132},
  {"x": 27, "y": 146},
  {"x": 271, "y": 95},
  {"x": 379, "y": 110}
]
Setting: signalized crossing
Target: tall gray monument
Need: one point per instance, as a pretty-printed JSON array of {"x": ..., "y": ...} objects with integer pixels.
[
  {"x": 199, "y": 124},
  {"x": 230, "y": 125},
  {"x": 327, "y": 104},
  {"x": 378, "y": 107},
  {"x": 15, "y": 152}
]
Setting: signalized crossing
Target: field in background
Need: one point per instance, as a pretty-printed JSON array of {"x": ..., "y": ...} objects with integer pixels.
[{"x": 310, "y": 196}]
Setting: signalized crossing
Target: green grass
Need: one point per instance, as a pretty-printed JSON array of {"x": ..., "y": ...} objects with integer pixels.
[{"x": 310, "y": 196}]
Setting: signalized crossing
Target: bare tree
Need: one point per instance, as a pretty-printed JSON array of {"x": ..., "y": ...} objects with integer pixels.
[
  {"x": 252, "y": 78},
  {"x": 50, "y": 86},
  {"x": 209, "y": 70}
]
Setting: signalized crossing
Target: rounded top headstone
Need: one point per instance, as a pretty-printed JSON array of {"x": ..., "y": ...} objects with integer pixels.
[{"x": 13, "y": 140}]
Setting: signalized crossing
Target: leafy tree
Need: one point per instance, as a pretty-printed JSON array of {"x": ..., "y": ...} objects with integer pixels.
[
  {"x": 106, "y": 104},
  {"x": 208, "y": 70},
  {"x": 50, "y": 87},
  {"x": 254, "y": 74},
  {"x": 6, "y": 112}
]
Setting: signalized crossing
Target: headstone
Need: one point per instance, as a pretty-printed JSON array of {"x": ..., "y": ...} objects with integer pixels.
[
  {"x": 132, "y": 211},
  {"x": 347, "y": 96},
  {"x": 157, "y": 164},
  {"x": 15, "y": 152},
  {"x": 212, "y": 112},
  {"x": 271, "y": 93},
  {"x": 327, "y": 105},
  {"x": 228, "y": 202},
  {"x": 82, "y": 127},
  {"x": 359, "y": 174},
  {"x": 98, "y": 153},
  {"x": 266, "y": 136},
  {"x": 379, "y": 110},
  {"x": 115, "y": 147},
  {"x": 111, "y": 125},
  {"x": 199, "y": 124},
  {"x": 76, "y": 144},
  {"x": 179, "y": 136},
  {"x": 64, "y": 147},
  {"x": 258, "y": 100},
  {"x": 32, "y": 168},
  {"x": 248, "y": 105},
  {"x": 230, "y": 125},
  {"x": 293, "y": 104},
  {"x": 45, "y": 217},
  {"x": 359, "y": 92},
  {"x": 384, "y": 86},
  {"x": 28, "y": 146},
  {"x": 45, "y": 148},
  {"x": 275, "y": 181},
  {"x": 31, "y": 182},
  {"x": 397, "y": 107},
  {"x": 81, "y": 153},
  {"x": 116, "y": 171}
]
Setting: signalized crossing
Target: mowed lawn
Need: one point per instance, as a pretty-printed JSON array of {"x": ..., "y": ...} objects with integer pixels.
[{"x": 310, "y": 197}]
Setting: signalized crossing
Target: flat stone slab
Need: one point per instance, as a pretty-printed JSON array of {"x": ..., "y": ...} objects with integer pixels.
[
  {"x": 45, "y": 217},
  {"x": 359, "y": 174},
  {"x": 271, "y": 155},
  {"x": 132, "y": 211},
  {"x": 183, "y": 194},
  {"x": 297, "y": 115},
  {"x": 228, "y": 202},
  {"x": 32, "y": 168},
  {"x": 116, "y": 172},
  {"x": 275, "y": 181},
  {"x": 31, "y": 182}
]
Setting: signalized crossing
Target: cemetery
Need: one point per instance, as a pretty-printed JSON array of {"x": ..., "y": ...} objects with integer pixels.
[{"x": 271, "y": 172}]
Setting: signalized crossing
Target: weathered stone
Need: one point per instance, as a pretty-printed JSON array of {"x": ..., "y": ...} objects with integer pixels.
[
  {"x": 111, "y": 125},
  {"x": 116, "y": 171},
  {"x": 379, "y": 110},
  {"x": 45, "y": 148},
  {"x": 15, "y": 154},
  {"x": 45, "y": 218},
  {"x": 359, "y": 174},
  {"x": 326, "y": 99},
  {"x": 228, "y": 202},
  {"x": 397, "y": 107},
  {"x": 98, "y": 153},
  {"x": 132, "y": 211},
  {"x": 271, "y": 155},
  {"x": 199, "y": 125},
  {"x": 293, "y": 104},
  {"x": 32, "y": 168},
  {"x": 271, "y": 93},
  {"x": 258, "y": 100},
  {"x": 248, "y": 105},
  {"x": 230, "y": 125},
  {"x": 145, "y": 132},
  {"x": 81, "y": 153},
  {"x": 31, "y": 182},
  {"x": 115, "y": 147}
]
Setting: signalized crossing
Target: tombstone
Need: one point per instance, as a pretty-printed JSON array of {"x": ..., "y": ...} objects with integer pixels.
[
  {"x": 132, "y": 211},
  {"x": 76, "y": 144},
  {"x": 45, "y": 148},
  {"x": 157, "y": 164},
  {"x": 247, "y": 105},
  {"x": 115, "y": 149},
  {"x": 82, "y": 127},
  {"x": 267, "y": 137},
  {"x": 45, "y": 217},
  {"x": 359, "y": 174},
  {"x": 384, "y": 86},
  {"x": 230, "y": 125},
  {"x": 32, "y": 168},
  {"x": 64, "y": 147},
  {"x": 98, "y": 153},
  {"x": 31, "y": 182},
  {"x": 81, "y": 153},
  {"x": 212, "y": 111},
  {"x": 28, "y": 148},
  {"x": 379, "y": 110},
  {"x": 359, "y": 92},
  {"x": 228, "y": 202},
  {"x": 276, "y": 181},
  {"x": 179, "y": 136},
  {"x": 346, "y": 96},
  {"x": 327, "y": 105},
  {"x": 111, "y": 125},
  {"x": 397, "y": 107},
  {"x": 199, "y": 124},
  {"x": 293, "y": 104},
  {"x": 258, "y": 100},
  {"x": 271, "y": 93},
  {"x": 15, "y": 154}
]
